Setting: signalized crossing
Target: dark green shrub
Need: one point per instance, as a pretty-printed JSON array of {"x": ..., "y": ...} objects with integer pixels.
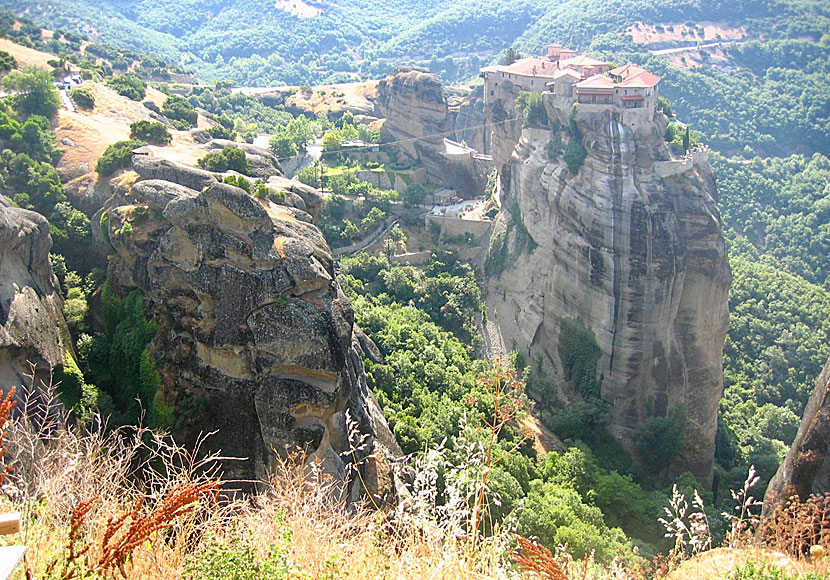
[
  {"x": 660, "y": 439},
  {"x": 129, "y": 86},
  {"x": 7, "y": 61},
  {"x": 83, "y": 98},
  {"x": 222, "y": 132},
  {"x": 180, "y": 112},
  {"x": 117, "y": 156},
  {"x": 579, "y": 354},
  {"x": 150, "y": 132},
  {"x": 575, "y": 155},
  {"x": 229, "y": 159},
  {"x": 533, "y": 109}
]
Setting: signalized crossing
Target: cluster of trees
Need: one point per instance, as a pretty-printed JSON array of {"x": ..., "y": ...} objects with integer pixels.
[
  {"x": 180, "y": 112},
  {"x": 130, "y": 86},
  {"x": 117, "y": 156},
  {"x": 259, "y": 45},
  {"x": 776, "y": 226},
  {"x": 110, "y": 371},
  {"x": 249, "y": 115},
  {"x": 355, "y": 208},
  {"x": 151, "y": 132},
  {"x": 228, "y": 159},
  {"x": 428, "y": 384}
]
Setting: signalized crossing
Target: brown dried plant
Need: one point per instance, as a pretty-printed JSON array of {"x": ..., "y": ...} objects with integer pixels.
[
  {"x": 796, "y": 525},
  {"x": 506, "y": 391},
  {"x": 537, "y": 560},
  {"x": 6, "y": 405},
  {"x": 125, "y": 532}
]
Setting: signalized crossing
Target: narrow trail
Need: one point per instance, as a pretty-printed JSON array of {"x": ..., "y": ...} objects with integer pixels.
[{"x": 493, "y": 341}]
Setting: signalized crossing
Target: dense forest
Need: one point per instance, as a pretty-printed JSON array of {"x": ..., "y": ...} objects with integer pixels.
[{"x": 255, "y": 44}]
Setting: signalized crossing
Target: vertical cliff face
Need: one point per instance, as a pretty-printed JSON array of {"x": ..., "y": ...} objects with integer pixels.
[
  {"x": 806, "y": 469},
  {"x": 256, "y": 340},
  {"x": 632, "y": 247},
  {"x": 32, "y": 328},
  {"x": 420, "y": 113}
]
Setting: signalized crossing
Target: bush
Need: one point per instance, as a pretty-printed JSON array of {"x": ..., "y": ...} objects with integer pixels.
[
  {"x": 117, "y": 156},
  {"x": 83, "y": 98},
  {"x": 533, "y": 109},
  {"x": 129, "y": 86},
  {"x": 222, "y": 132},
  {"x": 575, "y": 154},
  {"x": 660, "y": 439},
  {"x": 7, "y": 61},
  {"x": 229, "y": 159},
  {"x": 579, "y": 354},
  {"x": 34, "y": 92},
  {"x": 180, "y": 112},
  {"x": 151, "y": 132},
  {"x": 238, "y": 559}
]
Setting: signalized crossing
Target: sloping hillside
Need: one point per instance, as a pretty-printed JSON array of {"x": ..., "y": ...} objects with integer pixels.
[{"x": 293, "y": 42}]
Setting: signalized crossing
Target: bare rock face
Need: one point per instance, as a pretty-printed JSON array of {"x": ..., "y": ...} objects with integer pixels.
[
  {"x": 32, "y": 328},
  {"x": 806, "y": 469},
  {"x": 630, "y": 247},
  {"x": 415, "y": 106},
  {"x": 256, "y": 340},
  {"x": 420, "y": 113}
]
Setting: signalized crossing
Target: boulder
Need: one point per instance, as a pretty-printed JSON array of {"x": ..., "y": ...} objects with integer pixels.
[
  {"x": 166, "y": 170},
  {"x": 806, "y": 469},
  {"x": 256, "y": 340},
  {"x": 32, "y": 327}
]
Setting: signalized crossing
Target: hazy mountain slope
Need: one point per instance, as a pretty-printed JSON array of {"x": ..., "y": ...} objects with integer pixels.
[{"x": 272, "y": 45}]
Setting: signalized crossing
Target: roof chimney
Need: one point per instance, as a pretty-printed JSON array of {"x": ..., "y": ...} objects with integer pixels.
[{"x": 554, "y": 51}]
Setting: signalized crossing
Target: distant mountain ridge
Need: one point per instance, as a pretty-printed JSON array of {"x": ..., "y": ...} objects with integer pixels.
[{"x": 257, "y": 43}]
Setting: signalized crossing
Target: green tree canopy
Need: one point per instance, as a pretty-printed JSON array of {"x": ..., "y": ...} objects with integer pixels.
[{"x": 34, "y": 92}]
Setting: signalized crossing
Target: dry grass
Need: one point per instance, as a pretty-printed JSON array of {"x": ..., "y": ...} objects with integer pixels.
[
  {"x": 795, "y": 525},
  {"x": 27, "y": 56},
  {"x": 132, "y": 504}
]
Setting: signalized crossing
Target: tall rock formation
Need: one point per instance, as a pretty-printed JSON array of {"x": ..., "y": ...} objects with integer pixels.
[
  {"x": 420, "y": 112},
  {"x": 32, "y": 327},
  {"x": 806, "y": 469},
  {"x": 629, "y": 250},
  {"x": 256, "y": 340}
]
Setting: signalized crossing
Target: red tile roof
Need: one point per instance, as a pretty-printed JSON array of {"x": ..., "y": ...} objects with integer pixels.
[
  {"x": 642, "y": 80},
  {"x": 566, "y": 72},
  {"x": 596, "y": 82},
  {"x": 581, "y": 60},
  {"x": 626, "y": 70},
  {"x": 533, "y": 66}
]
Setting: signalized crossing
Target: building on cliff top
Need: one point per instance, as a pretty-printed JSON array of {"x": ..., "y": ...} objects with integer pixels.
[{"x": 581, "y": 78}]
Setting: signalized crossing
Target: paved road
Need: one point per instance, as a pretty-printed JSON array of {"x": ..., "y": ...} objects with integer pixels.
[{"x": 695, "y": 47}]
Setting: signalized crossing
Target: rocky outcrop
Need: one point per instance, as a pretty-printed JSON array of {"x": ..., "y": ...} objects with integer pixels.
[
  {"x": 256, "y": 340},
  {"x": 263, "y": 162},
  {"x": 32, "y": 328},
  {"x": 470, "y": 122},
  {"x": 420, "y": 113},
  {"x": 630, "y": 247},
  {"x": 806, "y": 469}
]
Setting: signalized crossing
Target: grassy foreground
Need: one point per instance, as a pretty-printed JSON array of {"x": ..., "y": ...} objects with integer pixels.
[{"x": 133, "y": 504}]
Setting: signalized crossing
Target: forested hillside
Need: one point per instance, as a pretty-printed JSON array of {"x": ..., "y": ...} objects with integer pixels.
[{"x": 280, "y": 43}]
